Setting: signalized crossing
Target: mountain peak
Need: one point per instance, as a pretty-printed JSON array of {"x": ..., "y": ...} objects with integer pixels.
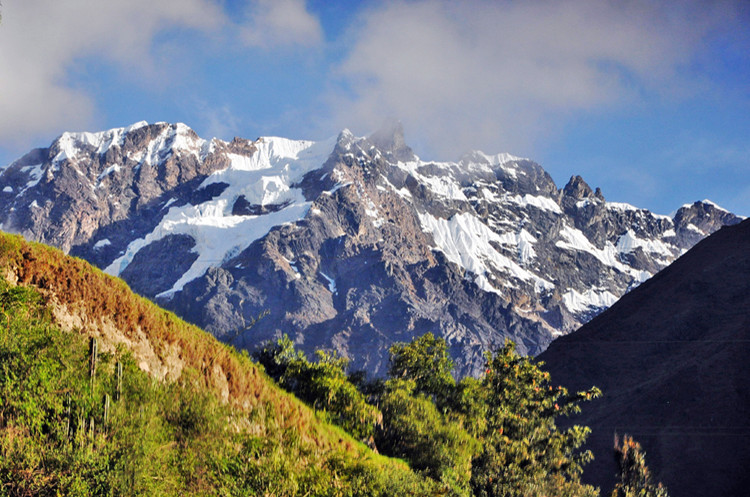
[
  {"x": 390, "y": 140},
  {"x": 354, "y": 243},
  {"x": 579, "y": 189}
]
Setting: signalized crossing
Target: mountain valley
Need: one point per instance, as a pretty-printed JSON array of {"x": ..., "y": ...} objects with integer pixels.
[{"x": 349, "y": 244}]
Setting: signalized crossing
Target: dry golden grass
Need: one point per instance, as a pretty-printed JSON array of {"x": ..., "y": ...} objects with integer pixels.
[{"x": 98, "y": 297}]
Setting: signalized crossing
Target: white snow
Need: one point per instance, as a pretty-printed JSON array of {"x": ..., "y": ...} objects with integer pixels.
[
  {"x": 714, "y": 204},
  {"x": 111, "y": 169},
  {"x": 696, "y": 229},
  {"x": 477, "y": 157},
  {"x": 443, "y": 185},
  {"x": 538, "y": 201},
  {"x": 102, "y": 243},
  {"x": 372, "y": 211},
  {"x": 264, "y": 178},
  {"x": 622, "y": 206},
  {"x": 294, "y": 267},
  {"x": 628, "y": 242},
  {"x": 102, "y": 140},
  {"x": 523, "y": 241},
  {"x": 466, "y": 241},
  {"x": 331, "y": 282},
  {"x": 35, "y": 173},
  {"x": 8, "y": 189},
  {"x": 574, "y": 239},
  {"x": 589, "y": 300}
]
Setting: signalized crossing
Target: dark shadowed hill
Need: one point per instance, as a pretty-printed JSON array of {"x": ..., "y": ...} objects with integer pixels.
[{"x": 672, "y": 358}]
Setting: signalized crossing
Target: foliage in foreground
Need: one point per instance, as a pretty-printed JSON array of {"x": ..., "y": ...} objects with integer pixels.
[
  {"x": 157, "y": 438},
  {"x": 490, "y": 436},
  {"x": 487, "y": 437}
]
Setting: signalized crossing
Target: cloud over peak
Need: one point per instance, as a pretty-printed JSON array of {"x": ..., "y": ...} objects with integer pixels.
[
  {"x": 42, "y": 40},
  {"x": 480, "y": 73}
]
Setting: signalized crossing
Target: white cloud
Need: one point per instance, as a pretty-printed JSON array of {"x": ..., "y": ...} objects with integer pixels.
[
  {"x": 479, "y": 74},
  {"x": 41, "y": 39},
  {"x": 218, "y": 121},
  {"x": 275, "y": 23}
]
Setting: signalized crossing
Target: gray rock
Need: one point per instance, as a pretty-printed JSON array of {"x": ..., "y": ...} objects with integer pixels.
[{"x": 390, "y": 248}]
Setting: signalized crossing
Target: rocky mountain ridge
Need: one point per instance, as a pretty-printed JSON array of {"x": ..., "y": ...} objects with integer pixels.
[{"x": 351, "y": 243}]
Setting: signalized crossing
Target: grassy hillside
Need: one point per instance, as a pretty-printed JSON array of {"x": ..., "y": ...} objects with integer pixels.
[{"x": 192, "y": 416}]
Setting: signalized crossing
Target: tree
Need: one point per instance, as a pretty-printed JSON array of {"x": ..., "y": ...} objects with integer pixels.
[
  {"x": 433, "y": 442},
  {"x": 524, "y": 453},
  {"x": 635, "y": 477},
  {"x": 323, "y": 384},
  {"x": 275, "y": 356},
  {"x": 426, "y": 362}
]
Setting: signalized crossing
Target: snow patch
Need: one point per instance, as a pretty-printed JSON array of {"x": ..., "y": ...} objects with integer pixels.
[
  {"x": 443, "y": 185},
  {"x": 264, "y": 178},
  {"x": 574, "y": 239},
  {"x": 629, "y": 242},
  {"x": 35, "y": 173},
  {"x": 293, "y": 265},
  {"x": 622, "y": 206},
  {"x": 467, "y": 242},
  {"x": 587, "y": 301},
  {"x": 372, "y": 211},
  {"x": 111, "y": 169},
  {"x": 102, "y": 243},
  {"x": 524, "y": 243},
  {"x": 8, "y": 189},
  {"x": 331, "y": 282},
  {"x": 538, "y": 201},
  {"x": 713, "y": 204}
]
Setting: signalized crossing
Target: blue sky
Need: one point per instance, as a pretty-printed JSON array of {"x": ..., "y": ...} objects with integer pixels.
[{"x": 648, "y": 100}]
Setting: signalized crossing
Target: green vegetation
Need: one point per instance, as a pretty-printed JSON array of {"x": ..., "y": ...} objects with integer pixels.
[
  {"x": 488, "y": 437},
  {"x": 179, "y": 436},
  {"x": 323, "y": 384},
  {"x": 158, "y": 438},
  {"x": 80, "y": 416}
]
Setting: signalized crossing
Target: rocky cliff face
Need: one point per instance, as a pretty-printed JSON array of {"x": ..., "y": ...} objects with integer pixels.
[{"x": 351, "y": 243}]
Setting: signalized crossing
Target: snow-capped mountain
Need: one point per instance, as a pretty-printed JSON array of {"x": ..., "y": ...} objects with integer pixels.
[{"x": 350, "y": 243}]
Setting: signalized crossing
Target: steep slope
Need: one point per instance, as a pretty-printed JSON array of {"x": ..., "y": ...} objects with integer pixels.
[
  {"x": 81, "y": 299},
  {"x": 351, "y": 243},
  {"x": 672, "y": 359}
]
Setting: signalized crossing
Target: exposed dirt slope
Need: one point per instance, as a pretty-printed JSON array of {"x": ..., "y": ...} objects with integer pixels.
[{"x": 85, "y": 300}]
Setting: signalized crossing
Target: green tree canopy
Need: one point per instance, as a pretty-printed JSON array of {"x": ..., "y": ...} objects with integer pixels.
[
  {"x": 524, "y": 453},
  {"x": 426, "y": 362},
  {"x": 322, "y": 384}
]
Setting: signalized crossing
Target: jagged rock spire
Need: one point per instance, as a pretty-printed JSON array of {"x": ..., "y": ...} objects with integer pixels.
[
  {"x": 390, "y": 140},
  {"x": 578, "y": 188}
]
